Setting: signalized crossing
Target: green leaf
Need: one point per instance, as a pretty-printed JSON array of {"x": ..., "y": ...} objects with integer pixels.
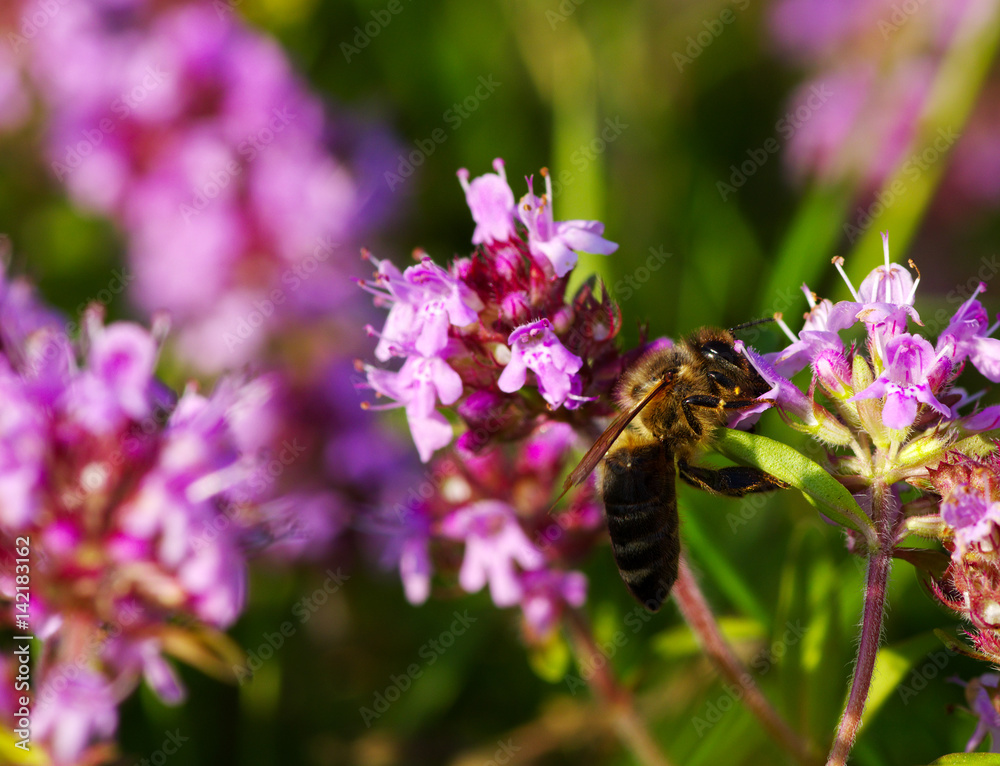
[
  {"x": 798, "y": 471},
  {"x": 968, "y": 759}
]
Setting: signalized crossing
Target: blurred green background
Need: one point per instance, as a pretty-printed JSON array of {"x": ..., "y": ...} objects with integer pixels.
[{"x": 592, "y": 91}]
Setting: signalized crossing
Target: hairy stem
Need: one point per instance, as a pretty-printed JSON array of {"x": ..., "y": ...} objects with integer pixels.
[
  {"x": 699, "y": 617},
  {"x": 885, "y": 509},
  {"x": 618, "y": 700}
]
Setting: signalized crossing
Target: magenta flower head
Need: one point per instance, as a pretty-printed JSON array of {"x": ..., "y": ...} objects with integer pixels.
[
  {"x": 559, "y": 242},
  {"x": 492, "y": 204},
  {"x": 140, "y": 508},
  {"x": 905, "y": 382},
  {"x": 535, "y": 347}
]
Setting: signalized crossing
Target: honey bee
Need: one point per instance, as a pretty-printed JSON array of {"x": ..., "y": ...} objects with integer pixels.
[{"x": 672, "y": 401}]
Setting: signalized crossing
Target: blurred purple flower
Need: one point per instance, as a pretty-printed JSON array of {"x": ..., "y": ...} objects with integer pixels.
[
  {"x": 239, "y": 198},
  {"x": 75, "y": 709},
  {"x": 545, "y": 594},
  {"x": 980, "y": 693},
  {"x": 971, "y": 515}
]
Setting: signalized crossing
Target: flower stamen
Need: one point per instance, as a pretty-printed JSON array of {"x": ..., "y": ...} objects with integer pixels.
[
  {"x": 838, "y": 262},
  {"x": 778, "y": 318}
]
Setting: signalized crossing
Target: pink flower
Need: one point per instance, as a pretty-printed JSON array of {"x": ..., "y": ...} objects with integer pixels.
[
  {"x": 418, "y": 385},
  {"x": 980, "y": 693},
  {"x": 546, "y": 593},
  {"x": 75, "y": 708},
  {"x": 971, "y": 515},
  {"x": 492, "y": 204},
  {"x": 556, "y": 242},
  {"x": 967, "y": 335},
  {"x": 494, "y": 543},
  {"x": 904, "y": 383},
  {"x": 535, "y": 347},
  {"x": 426, "y": 299}
]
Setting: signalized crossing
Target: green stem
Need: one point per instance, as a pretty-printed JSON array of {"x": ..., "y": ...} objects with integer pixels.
[{"x": 885, "y": 509}]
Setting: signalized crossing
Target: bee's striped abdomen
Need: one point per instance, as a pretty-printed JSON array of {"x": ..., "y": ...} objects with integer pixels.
[{"x": 641, "y": 505}]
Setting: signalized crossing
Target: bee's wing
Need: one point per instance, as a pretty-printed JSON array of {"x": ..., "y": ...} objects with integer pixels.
[{"x": 611, "y": 433}]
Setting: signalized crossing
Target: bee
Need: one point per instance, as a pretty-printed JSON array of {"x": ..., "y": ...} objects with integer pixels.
[{"x": 672, "y": 401}]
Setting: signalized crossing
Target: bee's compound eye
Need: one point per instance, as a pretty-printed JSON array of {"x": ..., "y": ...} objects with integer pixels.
[{"x": 720, "y": 350}]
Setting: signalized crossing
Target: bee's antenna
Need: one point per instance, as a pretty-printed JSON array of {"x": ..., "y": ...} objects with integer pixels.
[{"x": 751, "y": 323}]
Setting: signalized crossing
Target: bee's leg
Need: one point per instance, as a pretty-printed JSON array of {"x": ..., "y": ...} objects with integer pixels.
[
  {"x": 735, "y": 481},
  {"x": 713, "y": 403}
]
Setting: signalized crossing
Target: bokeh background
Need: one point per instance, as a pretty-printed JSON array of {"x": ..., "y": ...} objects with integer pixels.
[{"x": 732, "y": 149}]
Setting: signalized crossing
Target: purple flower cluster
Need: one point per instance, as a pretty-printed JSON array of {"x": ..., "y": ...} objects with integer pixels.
[
  {"x": 904, "y": 374},
  {"x": 496, "y": 531},
  {"x": 494, "y": 338},
  {"x": 239, "y": 198},
  {"x": 895, "y": 405},
  {"x": 138, "y": 505},
  {"x": 484, "y": 323}
]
